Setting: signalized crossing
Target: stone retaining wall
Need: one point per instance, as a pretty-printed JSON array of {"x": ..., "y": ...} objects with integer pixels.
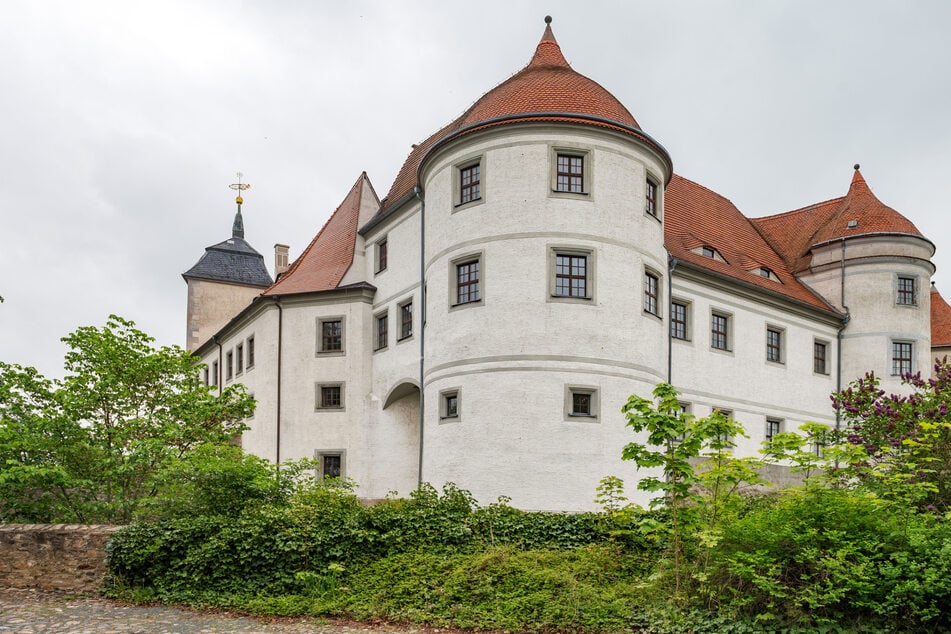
[{"x": 63, "y": 557}]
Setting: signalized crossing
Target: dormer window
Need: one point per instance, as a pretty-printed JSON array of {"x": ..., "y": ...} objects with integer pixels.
[
  {"x": 765, "y": 271},
  {"x": 708, "y": 252}
]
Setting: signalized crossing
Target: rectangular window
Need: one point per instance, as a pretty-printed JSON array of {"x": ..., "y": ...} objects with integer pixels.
[
  {"x": 330, "y": 396},
  {"x": 250, "y": 352},
  {"x": 678, "y": 320},
  {"x": 381, "y": 255},
  {"x": 214, "y": 373},
  {"x": 570, "y": 174},
  {"x": 470, "y": 183},
  {"x": 239, "y": 358},
  {"x": 467, "y": 282},
  {"x": 774, "y": 345},
  {"x": 229, "y": 365},
  {"x": 726, "y": 438},
  {"x": 773, "y": 427},
  {"x": 382, "y": 331},
  {"x": 819, "y": 356},
  {"x": 330, "y": 466},
  {"x": 906, "y": 291},
  {"x": 719, "y": 332},
  {"x": 650, "y": 293},
  {"x": 406, "y": 320},
  {"x": 581, "y": 402},
  {"x": 452, "y": 405},
  {"x": 571, "y": 275},
  {"x": 651, "y": 197},
  {"x": 901, "y": 358},
  {"x": 205, "y": 376},
  {"x": 331, "y": 335}
]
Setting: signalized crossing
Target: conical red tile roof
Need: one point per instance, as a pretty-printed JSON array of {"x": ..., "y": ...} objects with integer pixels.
[
  {"x": 794, "y": 233},
  {"x": 940, "y": 320},
  {"x": 329, "y": 255},
  {"x": 547, "y": 89}
]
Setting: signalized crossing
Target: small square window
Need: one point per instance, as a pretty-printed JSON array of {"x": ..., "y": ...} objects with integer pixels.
[
  {"x": 229, "y": 365},
  {"x": 774, "y": 345},
  {"x": 450, "y": 405},
  {"x": 382, "y": 330},
  {"x": 906, "y": 295},
  {"x": 651, "y": 296},
  {"x": 330, "y": 335},
  {"x": 470, "y": 183},
  {"x": 651, "y": 202},
  {"x": 678, "y": 321},
  {"x": 330, "y": 396},
  {"x": 820, "y": 357},
  {"x": 406, "y": 320},
  {"x": 250, "y": 352},
  {"x": 332, "y": 463},
  {"x": 581, "y": 402},
  {"x": 720, "y": 331},
  {"x": 902, "y": 360},
  {"x": 773, "y": 427},
  {"x": 381, "y": 255},
  {"x": 239, "y": 358}
]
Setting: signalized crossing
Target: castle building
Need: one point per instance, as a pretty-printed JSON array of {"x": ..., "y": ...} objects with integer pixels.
[{"x": 534, "y": 263}]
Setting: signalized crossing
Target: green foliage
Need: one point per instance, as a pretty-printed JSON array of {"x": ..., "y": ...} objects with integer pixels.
[{"x": 87, "y": 448}]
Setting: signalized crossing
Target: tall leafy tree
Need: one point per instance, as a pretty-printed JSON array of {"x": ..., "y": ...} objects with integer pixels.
[{"x": 87, "y": 448}]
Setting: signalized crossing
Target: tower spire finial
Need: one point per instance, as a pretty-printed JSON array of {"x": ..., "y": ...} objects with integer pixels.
[{"x": 237, "y": 229}]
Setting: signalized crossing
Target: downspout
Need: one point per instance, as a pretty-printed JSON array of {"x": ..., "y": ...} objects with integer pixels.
[
  {"x": 280, "y": 342},
  {"x": 838, "y": 343},
  {"x": 218, "y": 373},
  {"x": 671, "y": 265},
  {"x": 422, "y": 322}
]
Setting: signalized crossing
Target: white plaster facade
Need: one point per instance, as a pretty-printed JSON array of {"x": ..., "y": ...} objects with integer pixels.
[{"x": 514, "y": 357}]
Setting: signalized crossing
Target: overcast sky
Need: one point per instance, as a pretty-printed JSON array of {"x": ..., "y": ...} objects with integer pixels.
[{"x": 124, "y": 122}]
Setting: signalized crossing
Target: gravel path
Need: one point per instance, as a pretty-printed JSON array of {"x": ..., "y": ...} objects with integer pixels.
[{"x": 30, "y": 612}]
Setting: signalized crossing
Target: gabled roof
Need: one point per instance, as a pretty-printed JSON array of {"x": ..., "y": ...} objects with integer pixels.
[
  {"x": 547, "y": 89},
  {"x": 696, "y": 216},
  {"x": 233, "y": 261},
  {"x": 793, "y": 234},
  {"x": 328, "y": 257},
  {"x": 940, "y": 320}
]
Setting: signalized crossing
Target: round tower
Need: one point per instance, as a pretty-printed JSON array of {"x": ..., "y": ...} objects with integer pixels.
[
  {"x": 874, "y": 265},
  {"x": 546, "y": 279}
]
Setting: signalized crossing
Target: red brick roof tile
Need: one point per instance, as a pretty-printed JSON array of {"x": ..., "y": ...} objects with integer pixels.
[
  {"x": 696, "y": 216},
  {"x": 940, "y": 320},
  {"x": 330, "y": 254},
  {"x": 544, "y": 89},
  {"x": 794, "y": 233}
]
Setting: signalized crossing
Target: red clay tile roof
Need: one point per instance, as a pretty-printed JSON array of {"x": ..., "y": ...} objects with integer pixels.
[
  {"x": 696, "y": 216},
  {"x": 794, "y": 233},
  {"x": 940, "y": 320},
  {"x": 547, "y": 89},
  {"x": 329, "y": 255}
]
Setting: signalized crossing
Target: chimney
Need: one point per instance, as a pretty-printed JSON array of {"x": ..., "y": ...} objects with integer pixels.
[{"x": 280, "y": 259}]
